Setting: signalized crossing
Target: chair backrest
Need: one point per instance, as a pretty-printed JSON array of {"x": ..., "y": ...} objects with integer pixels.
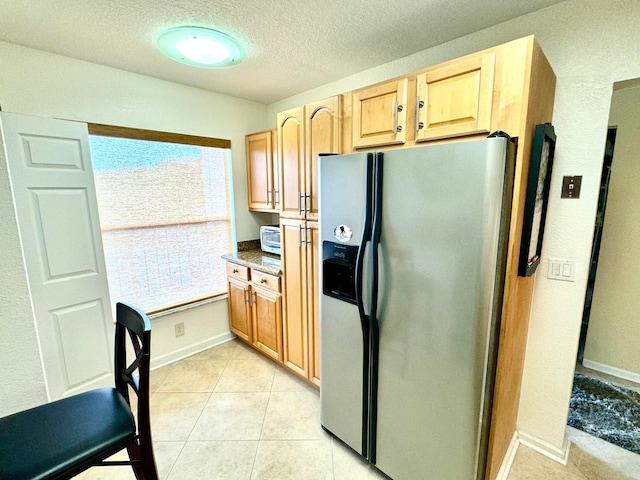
[{"x": 133, "y": 323}]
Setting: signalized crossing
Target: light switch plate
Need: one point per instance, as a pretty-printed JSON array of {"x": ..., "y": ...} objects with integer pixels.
[
  {"x": 560, "y": 269},
  {"x": 571, "y": 186}
]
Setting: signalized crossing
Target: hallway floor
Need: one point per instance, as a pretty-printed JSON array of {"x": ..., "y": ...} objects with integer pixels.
[{"x": 230, "y": 413}]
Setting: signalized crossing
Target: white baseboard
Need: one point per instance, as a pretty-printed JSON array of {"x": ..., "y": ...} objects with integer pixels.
[
  {"x": 190, "y": 350},
  {"x": 505, "y": 468},
  {"x": 609, "y": 370},
  {"x": 560, "y": 455}
]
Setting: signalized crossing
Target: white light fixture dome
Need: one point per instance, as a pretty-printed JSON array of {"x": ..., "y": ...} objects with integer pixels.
[{"x": 201, "y": 47}]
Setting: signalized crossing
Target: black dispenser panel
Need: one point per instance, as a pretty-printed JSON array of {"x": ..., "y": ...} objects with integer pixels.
[{"x": 338, "y": 271}]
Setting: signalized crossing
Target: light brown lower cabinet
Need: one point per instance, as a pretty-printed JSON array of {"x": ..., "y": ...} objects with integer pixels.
[{"x": 255, "y": 308}]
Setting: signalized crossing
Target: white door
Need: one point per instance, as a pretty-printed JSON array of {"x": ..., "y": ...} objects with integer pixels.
[{"x": 55, "y": 201}]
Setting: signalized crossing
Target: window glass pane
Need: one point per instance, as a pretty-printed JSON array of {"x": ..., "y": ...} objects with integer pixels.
[{"x": 165, "y": 219}]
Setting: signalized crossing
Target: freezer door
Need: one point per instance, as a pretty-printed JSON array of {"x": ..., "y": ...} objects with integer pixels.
[
  {"x": 342, "y": 185},
  {"x": 441, "y": 208}
]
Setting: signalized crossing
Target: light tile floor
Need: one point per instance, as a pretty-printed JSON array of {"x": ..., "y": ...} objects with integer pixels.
[{"x": 230, "y": 413}]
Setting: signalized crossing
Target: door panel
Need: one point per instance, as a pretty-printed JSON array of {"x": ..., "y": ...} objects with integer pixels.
[
  {"x": 457, "y": 98},
  {"x": 291, "y": 156},
  {"x": 82, "y": 320},
  {"x": 239, "y": 320},
  {"x": 259, "y": 171},
  {"x": 54, "y": 195},
  {"x": 67, "y": 243},
  {"x": 436, "y": 305},
  {"x": 343, "y": 182},
  {"x": 322, "y": 130},
  {"x": 379, "y": 114},
  {"x": 267, "y": 318},
  {"x": 295, "y": 328}
]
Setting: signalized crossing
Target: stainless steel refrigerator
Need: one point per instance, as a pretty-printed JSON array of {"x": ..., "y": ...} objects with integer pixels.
[{"x": 413, "y": 265}]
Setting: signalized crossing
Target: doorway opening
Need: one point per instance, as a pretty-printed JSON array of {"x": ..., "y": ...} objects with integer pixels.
[{"x": 597, "y": 237}]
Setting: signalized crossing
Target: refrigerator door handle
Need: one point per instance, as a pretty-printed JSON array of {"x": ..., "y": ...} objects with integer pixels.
[
  {"x": 374, "y": 343},
  {"x": 364, "y": 318},
  {"x": 366, "y": 239}
]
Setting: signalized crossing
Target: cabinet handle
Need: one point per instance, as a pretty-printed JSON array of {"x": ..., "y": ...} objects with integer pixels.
[
  {"x": 397, "y": 128},
  {"x": 307, "y": 196},
  {"x": 262, "y": 280},
  {"x": 300, "y": 235},
  {"x": 419, "y": 105},
  {"x": 307, "y": 236},
  {"x": 247, "y": 299},
  {"x": 268, "y": 195},
  {"x": 235, "y": 270},
  {"x": 300, "y": 196},
  {"x": 276, "y": 197},
  {"x": 252, "y": 298}
]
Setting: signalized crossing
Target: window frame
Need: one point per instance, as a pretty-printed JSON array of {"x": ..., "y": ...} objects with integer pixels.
[{"x": 103, "y": 130}]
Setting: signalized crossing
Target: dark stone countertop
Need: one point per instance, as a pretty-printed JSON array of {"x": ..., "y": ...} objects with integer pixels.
[{"x": 256, "y": 259}]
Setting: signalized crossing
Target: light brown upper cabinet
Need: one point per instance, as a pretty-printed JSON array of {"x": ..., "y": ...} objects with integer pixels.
[
  {"x": 291, "y": 152},
  {"x": 304, "y": 133},
  {"x": 322, "y": 135},
  {"x": 455, "y": 98},
  {"x": 263, "y": 171},
  {"x": 380, "y": 114}
]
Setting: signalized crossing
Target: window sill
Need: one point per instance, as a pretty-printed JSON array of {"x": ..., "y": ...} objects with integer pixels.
[{"x": 188, "y": 306}]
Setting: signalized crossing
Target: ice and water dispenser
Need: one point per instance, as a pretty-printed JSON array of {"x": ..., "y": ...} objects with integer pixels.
[{"x": 339, "y": 270}]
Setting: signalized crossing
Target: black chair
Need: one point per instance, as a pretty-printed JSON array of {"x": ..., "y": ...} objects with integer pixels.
[{"x": 63, "y": 438}]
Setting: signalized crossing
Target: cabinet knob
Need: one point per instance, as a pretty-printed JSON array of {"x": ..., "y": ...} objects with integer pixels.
[
  {"x": 262, "y": 280},
  {"x": 235, "y": 270}
]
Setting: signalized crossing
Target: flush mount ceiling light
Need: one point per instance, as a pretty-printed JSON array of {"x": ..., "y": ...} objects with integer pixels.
[{"x": 201, "y": 47}]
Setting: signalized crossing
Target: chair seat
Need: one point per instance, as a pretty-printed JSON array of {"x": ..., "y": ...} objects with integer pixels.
[{"x": 53, "y": 440}]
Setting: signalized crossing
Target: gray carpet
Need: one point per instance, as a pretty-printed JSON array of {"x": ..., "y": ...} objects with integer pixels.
[{"x": 606, "y": 411}]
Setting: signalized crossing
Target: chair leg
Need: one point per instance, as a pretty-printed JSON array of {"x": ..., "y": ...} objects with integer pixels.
[{"x": 146, "y": 468}]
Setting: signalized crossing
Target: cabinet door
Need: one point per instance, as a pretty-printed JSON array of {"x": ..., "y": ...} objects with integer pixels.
[
  {"x": 291, "y": 153},
  {"x": 267, "y": 322},
  {"x": 322, "y": 130},
  {"x": 260, "y": 171},
  {"x": 295, "y": 317},
  {"x": 313, "y": 299},
  {"x": 239, "y": 313},
  {"x": 379, "y": 114},
  {"x": 457, "y": 98}
]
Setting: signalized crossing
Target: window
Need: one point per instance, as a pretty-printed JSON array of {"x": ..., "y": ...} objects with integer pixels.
[{"x": 165, "y": 214}]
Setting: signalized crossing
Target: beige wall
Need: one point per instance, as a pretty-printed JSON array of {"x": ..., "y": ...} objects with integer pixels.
[
  {"x": 590, "y": 45},
  {"x": 614, "y": 328},
  {"x": 38, "y": 83}
]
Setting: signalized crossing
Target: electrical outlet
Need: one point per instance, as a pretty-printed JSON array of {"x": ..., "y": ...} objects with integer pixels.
[{"x": 179, "y": 328}]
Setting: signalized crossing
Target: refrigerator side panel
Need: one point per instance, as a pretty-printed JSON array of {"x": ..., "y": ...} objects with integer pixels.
[
  {"x": 441, "y": 210},
  {"x": 342, "y": 185}
]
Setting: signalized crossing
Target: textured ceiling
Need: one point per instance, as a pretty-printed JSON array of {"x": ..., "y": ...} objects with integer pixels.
[{"x": 292, "y": 45}]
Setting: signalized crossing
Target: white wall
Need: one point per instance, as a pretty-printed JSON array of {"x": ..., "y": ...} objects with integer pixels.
[
  {"x": 614, "y": 330},
  {"x": 38, "y": 83},
  {"x": 590, "y": 45}
]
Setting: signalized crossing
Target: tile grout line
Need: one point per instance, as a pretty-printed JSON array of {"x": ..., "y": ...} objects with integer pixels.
[
  {"x": 199, "y": 416},
  {"x": 264, "y": 418}
]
